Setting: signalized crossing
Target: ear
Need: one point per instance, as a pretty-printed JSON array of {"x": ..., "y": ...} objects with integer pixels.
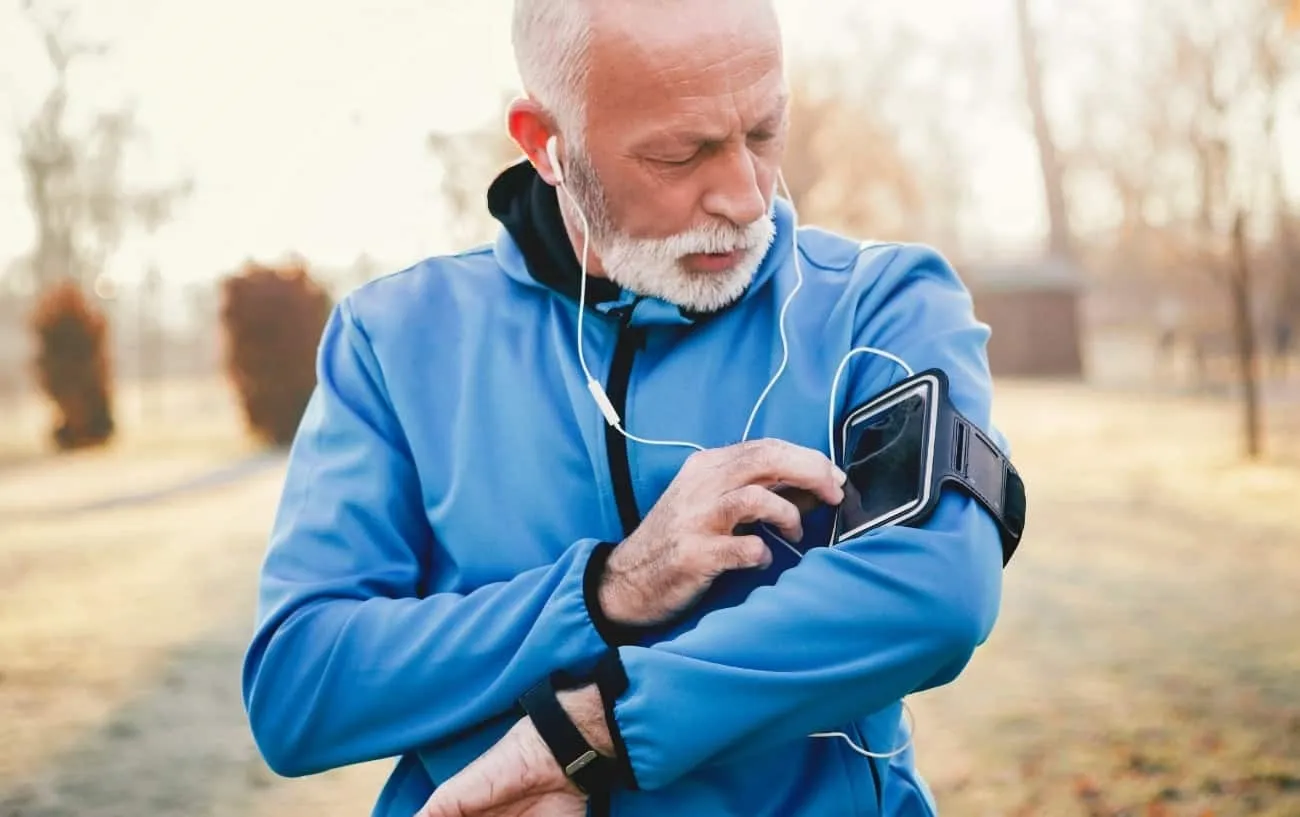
[{"x": 531, "y": 128}]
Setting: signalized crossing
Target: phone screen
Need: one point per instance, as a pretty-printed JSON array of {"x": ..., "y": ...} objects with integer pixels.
[{"x": 885, "y": 454}]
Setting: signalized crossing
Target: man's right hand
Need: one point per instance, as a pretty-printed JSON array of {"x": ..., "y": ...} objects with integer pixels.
[{"x": 688, "y": 539}]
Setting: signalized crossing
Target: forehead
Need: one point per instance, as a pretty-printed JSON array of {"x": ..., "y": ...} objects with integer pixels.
[{"x": 709, "y": 64}]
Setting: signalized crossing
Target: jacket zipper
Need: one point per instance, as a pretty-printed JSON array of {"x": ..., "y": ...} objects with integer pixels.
[{"x": 630, "y": 339}]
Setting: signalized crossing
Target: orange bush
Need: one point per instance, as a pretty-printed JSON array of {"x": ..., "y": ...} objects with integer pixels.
[
  {"x": 72, "y": 365},
  {"x": 272, "y": 319}
]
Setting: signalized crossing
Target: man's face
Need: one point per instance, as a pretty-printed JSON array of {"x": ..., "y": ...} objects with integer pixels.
[{"x": 685, "y": 131}]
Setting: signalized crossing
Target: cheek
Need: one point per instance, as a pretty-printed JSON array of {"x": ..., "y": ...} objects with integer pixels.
[
  {"x": 767, "y": 170},
  {"x": 769, "y": 181},
  {"x": 654, "y": 209}
]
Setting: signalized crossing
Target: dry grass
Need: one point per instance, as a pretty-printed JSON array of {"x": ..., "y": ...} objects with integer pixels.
[
  {"x": 121, "y": 633},
  {"x": 1146, "y": 662},
  {"x": 95, "y": 605},
  {"x": 180, "y": 417},
  {"x": 122, "y": 624}
]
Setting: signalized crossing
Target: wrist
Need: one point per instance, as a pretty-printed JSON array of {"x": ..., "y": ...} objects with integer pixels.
[
  {"x": 586, "y": 709},
  {"x": 543, "y": 772},
  {"x": 570, "y": 726},
  {"x": 612, "y": 597},
  {"x": 606, "y": 594}
]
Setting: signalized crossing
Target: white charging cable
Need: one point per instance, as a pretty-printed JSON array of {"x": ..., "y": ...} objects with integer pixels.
[{"x": 611, "y": 415}]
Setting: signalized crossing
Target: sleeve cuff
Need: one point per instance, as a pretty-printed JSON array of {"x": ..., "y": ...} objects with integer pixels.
[
  {"x": 611, "y": 679},
  {"x": 614, "y": 634}
]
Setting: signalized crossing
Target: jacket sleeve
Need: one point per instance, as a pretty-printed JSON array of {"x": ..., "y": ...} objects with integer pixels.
[
  {"x": 851, "y": 629},
  {"x": 352, "y": 660}
]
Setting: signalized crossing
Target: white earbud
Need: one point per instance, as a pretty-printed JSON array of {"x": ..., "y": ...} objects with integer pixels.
[{"x": 553, "y": 153}]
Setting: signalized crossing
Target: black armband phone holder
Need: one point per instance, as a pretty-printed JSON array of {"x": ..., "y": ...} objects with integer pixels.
[{"x": 903, "y": 447}]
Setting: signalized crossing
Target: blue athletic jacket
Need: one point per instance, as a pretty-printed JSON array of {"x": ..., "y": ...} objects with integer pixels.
[{"x": 452, "y": 478}]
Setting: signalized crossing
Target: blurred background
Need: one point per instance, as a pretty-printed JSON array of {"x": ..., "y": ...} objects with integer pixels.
[{"x": 186, "y": 188}]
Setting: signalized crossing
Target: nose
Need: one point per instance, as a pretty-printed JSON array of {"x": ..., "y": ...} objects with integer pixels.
[{"x": 734, "y": 192}]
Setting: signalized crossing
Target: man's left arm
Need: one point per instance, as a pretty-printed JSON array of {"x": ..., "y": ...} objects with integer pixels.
[
  {"x": 849, "y": 629},
  {"x": 852, "y": 628}
]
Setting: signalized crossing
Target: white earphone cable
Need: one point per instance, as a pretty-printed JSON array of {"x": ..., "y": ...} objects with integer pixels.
[
  {"x": 785, "y": 341},
  {"x": 907, "y": 711},
  {"x": 861, "y": 350},
  {"x": 907, "y": 744},
  {"x": 593, "y": 385},
  {"x": 612, "y": 417}
]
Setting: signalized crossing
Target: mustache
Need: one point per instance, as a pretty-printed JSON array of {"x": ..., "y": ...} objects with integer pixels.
[{"x": 723, "y": 238}]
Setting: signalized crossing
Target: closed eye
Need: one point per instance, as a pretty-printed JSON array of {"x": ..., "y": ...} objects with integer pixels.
[{"x": 674, "y": 161}]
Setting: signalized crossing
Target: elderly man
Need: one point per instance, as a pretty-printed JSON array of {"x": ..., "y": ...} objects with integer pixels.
[{"x": 558, "y": 541}]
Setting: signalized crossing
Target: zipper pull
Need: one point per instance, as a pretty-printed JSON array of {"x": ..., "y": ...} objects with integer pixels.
[{"x": 624, "y": 313}]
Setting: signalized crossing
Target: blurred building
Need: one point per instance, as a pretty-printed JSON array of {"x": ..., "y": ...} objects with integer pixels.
[{"x": 1035, "y": 311}]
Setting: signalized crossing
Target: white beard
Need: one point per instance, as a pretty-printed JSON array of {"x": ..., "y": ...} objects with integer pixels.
[{"x": 653, "y": 266}]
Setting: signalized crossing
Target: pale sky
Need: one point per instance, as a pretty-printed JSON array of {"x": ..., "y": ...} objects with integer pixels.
[{"x": 304, "y": 123}]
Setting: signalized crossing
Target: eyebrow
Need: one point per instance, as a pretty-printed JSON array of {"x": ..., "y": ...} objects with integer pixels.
[{"x": 692, "y": 137}]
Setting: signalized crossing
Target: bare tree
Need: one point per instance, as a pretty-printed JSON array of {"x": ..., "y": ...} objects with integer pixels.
[
  {"x": 1192, "y": 155},
  {"x": 1241, "y": 289},
  {"x": 1276, "y": 69},
  {"x": 1053, "y": 172},
  {"x": 844, "y": 164},
  {"x": 1231, "y": 69},
  {"x": 469, "y": 161},
  {"x": 875, "y": 150},
  {"x": 79, "y": 200}
]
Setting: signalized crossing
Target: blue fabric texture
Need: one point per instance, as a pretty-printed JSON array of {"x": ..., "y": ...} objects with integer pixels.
[{"x": 450, "y": 480}]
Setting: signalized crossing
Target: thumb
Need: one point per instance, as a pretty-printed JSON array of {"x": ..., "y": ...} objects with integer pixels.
[{"x": 440, "y": 804}]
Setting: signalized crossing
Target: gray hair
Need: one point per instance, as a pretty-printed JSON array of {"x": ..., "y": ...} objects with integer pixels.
[{"x": 551, "y": 40}]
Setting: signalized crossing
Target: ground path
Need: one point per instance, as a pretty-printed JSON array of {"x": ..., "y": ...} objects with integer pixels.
[{"x": 1146, "y": 662}]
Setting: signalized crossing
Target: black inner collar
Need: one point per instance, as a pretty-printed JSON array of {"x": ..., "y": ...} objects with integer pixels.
[{"x": 530, "y": 209}]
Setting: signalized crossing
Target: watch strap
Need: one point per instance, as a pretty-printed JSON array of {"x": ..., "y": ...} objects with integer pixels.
[{"x": 590, "y": 771}]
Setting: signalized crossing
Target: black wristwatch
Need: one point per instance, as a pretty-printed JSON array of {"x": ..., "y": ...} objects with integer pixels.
[{"x": 593, "y": 773}]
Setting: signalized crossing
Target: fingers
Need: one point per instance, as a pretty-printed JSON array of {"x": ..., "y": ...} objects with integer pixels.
[
  {"x": 754, "y": 503},
  {"x": 472, "y": 792},
  {"x": 776, "y": 462},
  {"x": 738, "y": 553}
]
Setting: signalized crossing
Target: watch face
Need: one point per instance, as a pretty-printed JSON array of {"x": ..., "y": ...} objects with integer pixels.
[{"x": 888, "y": 456}]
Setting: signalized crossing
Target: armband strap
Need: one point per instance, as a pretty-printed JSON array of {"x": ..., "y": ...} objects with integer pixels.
[{"x": 978, "y": 467}]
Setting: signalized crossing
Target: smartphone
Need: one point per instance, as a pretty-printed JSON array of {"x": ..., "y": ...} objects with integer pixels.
[{"x": 887, "y": 449}]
